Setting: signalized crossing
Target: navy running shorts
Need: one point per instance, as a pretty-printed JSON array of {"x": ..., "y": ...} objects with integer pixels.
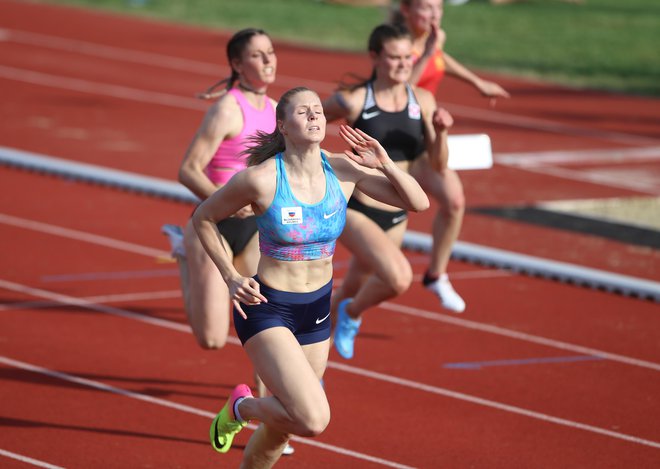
[{"x": 306, "y": 315}]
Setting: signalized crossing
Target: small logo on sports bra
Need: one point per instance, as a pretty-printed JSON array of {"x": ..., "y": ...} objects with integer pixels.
[
  {"x": 328, "y": 215},
  {"x": 414, "y": 111},
  {"x": 292, "y": 215},
  {"x": 368, "y": 115}
]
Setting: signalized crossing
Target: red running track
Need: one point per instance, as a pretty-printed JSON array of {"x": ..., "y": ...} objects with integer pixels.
[{"x": 98, "y": 368}]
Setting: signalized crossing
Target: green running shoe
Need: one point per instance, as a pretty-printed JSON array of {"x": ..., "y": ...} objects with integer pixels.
[{"x": 225, "y": 425}]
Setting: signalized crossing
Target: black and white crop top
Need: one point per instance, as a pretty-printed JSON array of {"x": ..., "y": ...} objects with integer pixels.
[{"x": 400, "y": 133}]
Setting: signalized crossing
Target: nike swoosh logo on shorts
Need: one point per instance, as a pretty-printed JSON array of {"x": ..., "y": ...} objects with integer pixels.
[
  {"x": 398, "y": 219},
  {"x": 328, "y": 215},
  {"x": 368, "y": 115},
  {"x": 319, "y": 321}
]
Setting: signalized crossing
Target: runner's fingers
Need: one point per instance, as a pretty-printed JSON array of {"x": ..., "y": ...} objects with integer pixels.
[
  {"x": 349, "y": 135},
  {"x": 365, "y": 137},
  {"x": 237, "y": 305},
  {"x": 248, "y": 297},
  {"x": 355, "y": 136},
  {"x": 255, "y": 291}
]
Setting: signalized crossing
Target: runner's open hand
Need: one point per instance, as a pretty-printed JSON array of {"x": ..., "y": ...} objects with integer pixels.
[{"x": 368, "y": 152}]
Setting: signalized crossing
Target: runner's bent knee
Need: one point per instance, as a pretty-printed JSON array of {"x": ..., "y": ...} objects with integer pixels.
[
  {"x": 396, "y": 273},
  {"x": 312, "y": 420},
  {"x": 211, "y": 342}
]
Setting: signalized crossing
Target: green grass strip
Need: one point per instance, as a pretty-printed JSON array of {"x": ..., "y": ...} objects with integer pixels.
[{"x": 600, "y": 44}]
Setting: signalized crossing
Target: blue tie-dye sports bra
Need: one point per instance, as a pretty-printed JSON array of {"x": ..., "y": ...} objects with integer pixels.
[{"x": 291, "y": 230}]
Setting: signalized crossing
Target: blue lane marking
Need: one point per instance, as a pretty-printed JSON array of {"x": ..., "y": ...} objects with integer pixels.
[
  {"x": 524, "y": 361},
  {"x": 110, "y": 275}
]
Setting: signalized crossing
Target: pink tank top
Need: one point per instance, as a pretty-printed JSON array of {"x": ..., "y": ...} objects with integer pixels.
[{"x": 227, "y": 160}]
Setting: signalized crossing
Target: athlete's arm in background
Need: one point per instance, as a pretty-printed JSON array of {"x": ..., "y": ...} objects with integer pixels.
[
  {"x": 437, "y": 122},
  {"x": 343, "y": 105},
  {"x": 222, "y": 120},
  {"x": 485, "y": 87}
]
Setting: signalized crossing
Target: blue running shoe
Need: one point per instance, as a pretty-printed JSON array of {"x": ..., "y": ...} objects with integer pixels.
[
  {"x": 346, "y": 330},
  {"x": 175, "y": 234}
]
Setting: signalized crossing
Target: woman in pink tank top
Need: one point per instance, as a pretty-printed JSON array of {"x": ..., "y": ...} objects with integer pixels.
[
  {"x": 242, "y": 108},
  {"x": 227, "y": 159}
]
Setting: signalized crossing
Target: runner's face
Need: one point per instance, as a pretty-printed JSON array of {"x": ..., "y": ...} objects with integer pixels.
[
  {"x": 258, "y": 62},
  {"x": 395, "y": 60},
  {"x": 304, "y": 121},
  {"x": 423, "y": 14}
]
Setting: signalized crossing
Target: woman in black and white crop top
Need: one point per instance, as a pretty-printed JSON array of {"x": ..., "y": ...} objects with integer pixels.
[
  {"x": 406, "y": 120},
  {"x": 400, "y": 131}
]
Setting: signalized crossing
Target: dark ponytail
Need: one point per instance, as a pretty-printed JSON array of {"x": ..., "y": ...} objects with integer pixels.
[{"x": 396, "y": 17}]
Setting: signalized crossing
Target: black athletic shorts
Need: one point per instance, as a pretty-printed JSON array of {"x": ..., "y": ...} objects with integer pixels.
[
  {"x": 382, "y": 218},
  {"x": 238, "y": 232}
]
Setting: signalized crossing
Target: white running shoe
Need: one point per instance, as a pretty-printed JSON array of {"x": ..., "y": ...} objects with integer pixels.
[
  {"x": 175, "y": 234},
  {"x": 448, "y": 296},
  {"x": 288, "y": 450}
]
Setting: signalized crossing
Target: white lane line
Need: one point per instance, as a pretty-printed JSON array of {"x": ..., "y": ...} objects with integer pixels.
[
  {"x": 550, "y": 126},
  {"x": 112, "y": 275},
  {"x": 117, "y": 298},
  {"x": 81, "y": 236},
  {"x": 594, "y": 178},
  {"x": 488, "y": 403},
  {"x": 28, "y": 460},
  {"x": 118, "y": 54},
  {"x": 579, "y": 157},
  {"x": 144, "y": 58},
  {"x": 105, "y": 89},
  {"x": 181, "y": 407},
  {"x": 140, "y": 296},
  {"x": 535, "y": 339},
  {"x": 542, "y": 163},
  {"x": 388, "y": 378},
  {"x": 82, "y": 303},
  {"x": 176, "y": 63}
]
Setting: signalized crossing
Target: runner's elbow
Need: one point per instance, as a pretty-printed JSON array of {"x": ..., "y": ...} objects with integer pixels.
[{"x": 421, "y": 204}]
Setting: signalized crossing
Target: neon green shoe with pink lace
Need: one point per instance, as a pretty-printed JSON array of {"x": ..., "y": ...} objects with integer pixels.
[{"x": 226, "y": 425}]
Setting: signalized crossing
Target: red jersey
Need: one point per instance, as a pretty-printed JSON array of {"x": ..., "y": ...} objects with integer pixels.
[{"x": 433, "y": 72}]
